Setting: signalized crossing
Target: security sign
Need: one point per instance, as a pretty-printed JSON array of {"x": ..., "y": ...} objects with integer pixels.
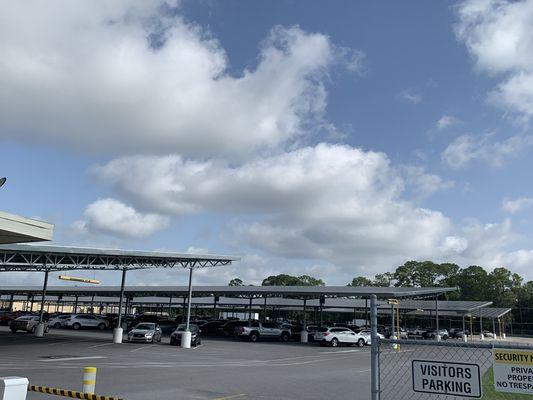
[
  {"x": 437, "y": 377},
  {"x": 513, "y": 371}
]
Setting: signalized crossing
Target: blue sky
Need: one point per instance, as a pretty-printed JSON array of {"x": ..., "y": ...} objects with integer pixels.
[{"x": 327, "y": 138}]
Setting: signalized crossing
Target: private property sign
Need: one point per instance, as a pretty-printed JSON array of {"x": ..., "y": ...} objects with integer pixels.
[
  {"x": 437, "y": 377},
  {"x": 513, "y": 371}
]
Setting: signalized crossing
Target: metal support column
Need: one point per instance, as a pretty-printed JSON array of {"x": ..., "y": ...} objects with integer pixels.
[
  {"x": 11, "y": 296},
  {"x": 117, "y": 333},
  {"x": 189, "y": 300},
  {"x": 481, "y": 336},
  {"x": 169, "y": 305},
  {"x": 304, "y": 336},
  {"x": 374, "y": 351},
  {"x": 39, "y": 329},
  {"x": 366, "y": 312},
  {"x": 75, "y": 311},
  {"x": 437, "y": 335},
  {"x": 215, "y": 300},
  {"x": 92, "y": 304},
  {"x": 250, "y": 310},
  {"x": 495, "y": 336},
  {"x": 43, "y": 297},
  {"x": 265, "y": 310}
]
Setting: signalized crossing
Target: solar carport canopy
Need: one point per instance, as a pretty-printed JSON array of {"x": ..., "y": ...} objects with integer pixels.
[
  {"x": 245, "y": 291},
  {"x": 23, "y": 257}
]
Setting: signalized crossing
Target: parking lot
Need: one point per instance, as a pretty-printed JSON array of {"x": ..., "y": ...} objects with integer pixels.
[{"x": 218, "y": 369}]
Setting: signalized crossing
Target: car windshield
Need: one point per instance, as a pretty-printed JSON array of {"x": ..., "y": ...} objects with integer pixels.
[
  {"x": 145, "y": 326},
  {"x": 323, "y": 329},
  {"x": 25, "y": 318}
]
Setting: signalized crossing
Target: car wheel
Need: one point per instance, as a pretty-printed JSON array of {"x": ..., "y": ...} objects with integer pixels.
[
  {"x": 285, "y": 337},
  {"x": 361, "y": 342},
  {"x": 254, "y": 337},
  {"x": 101, "y": 326},
  {"x": 57, "y": 325},
  {"x": 334, "y": 342},
  {"x": 76, "y": 326},
  {"x": 32, "y": 330},
  {"x": 199, "y": 342},
  {"x": 46, "y": 330}
]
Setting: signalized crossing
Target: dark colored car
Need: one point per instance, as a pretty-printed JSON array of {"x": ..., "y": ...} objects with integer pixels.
[
  {"x": 175, "y": 337},
  {"x": 228, "y": 329},
  {"x": 212, "y": 328},
  {"x": 6, "y": 317}
]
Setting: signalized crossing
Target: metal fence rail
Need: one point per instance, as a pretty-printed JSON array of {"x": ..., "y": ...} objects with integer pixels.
[{"x": 396, "y": 357}]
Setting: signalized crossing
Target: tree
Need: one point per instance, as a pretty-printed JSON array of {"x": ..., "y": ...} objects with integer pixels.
[
  {"x": 288, "y": 280},
  {"x": 385, "y": 279},
  {"x": 360, "y": 281},
  {"x": 236, "y": 282},
  {"x": 424, "y": 274}
]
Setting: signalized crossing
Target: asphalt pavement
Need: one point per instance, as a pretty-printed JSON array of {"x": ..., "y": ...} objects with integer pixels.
[{"x": 220, "y": 369}]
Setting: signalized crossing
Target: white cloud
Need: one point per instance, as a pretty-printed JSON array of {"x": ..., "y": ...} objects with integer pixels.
[
  {"x": 112, "y": 217},
  {"x": 469, "y": 148},
  {"x": 138, "y": 78},
  {"x": 423, "y": 184},
  {"x": 516, "y": 205},
  {"x": 446, "y": 121},
  {"x": 498, "y": 35},
  {"x": 327, "y": 202},
  {"x": 412, "y": 96}
]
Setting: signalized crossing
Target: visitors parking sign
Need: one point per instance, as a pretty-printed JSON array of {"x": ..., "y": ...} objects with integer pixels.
[
  {"x": 513, "y": 371},
  {"x": 437, "y": 377}
]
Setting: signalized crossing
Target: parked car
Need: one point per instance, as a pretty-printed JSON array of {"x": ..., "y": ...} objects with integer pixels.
[
  {"x": 27, "y": 323},
  {"x": 228, "y": 329},
  {"x": 167, "y": 325},
  {"x": 145, "y": 332},
  {"x": 58, "y": 321},
  {"x": 335, "y": 336},
  {"x": 457, "y": 333},
  {"x": 212, "y": 328},
  {"x": 296, "y": 331},
  {"x": 79, "y": 321},
  {"x": 6, "y": 317},
  {"x": 432, "y": 334},
  {"x": 175, "y": 337},
  {"x": 367, "y": 332},
  {"x": 254, "y": 330}
]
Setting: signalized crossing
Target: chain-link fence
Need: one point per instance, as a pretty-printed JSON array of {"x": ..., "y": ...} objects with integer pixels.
[{"x": 417, "y": 369}]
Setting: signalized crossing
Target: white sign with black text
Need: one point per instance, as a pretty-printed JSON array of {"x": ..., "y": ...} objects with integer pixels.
[{"x": 437, "y": 377}]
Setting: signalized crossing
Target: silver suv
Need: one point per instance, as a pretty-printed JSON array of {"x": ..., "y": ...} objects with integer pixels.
[
  {"x": 255, "y": 330},
  {"x": 78, "y": 321}
]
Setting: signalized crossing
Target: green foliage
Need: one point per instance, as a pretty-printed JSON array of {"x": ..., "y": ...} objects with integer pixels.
[
  {"x": 288, "y": 280},
  {"x": 236, "y": 282},
  {"x": 501, "y": 286}
]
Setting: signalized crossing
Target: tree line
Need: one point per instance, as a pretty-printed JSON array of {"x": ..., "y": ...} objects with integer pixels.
[{"x": 501, "y": 286}]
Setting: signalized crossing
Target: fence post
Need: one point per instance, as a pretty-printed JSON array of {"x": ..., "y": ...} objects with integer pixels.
[{"x": 374, "y": 352}]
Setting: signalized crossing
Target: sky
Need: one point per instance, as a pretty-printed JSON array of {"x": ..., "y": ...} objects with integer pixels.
[{"x": 333, "y": 139}]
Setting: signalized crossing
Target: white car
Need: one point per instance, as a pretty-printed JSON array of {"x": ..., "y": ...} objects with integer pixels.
[
  {"x": 58, "y": 321},
  {"x": 367, "y": 333},
  {"x": 78, "y": 321},
  {"x": 336, "y": 336}
]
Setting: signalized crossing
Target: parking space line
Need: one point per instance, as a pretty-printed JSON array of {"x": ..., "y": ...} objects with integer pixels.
[
  {"x": 234, "y": 396},
  {"x": 143, "y": 347},
  {"x": 72, "y": 358},
  {"x": 100, "y": 345}
]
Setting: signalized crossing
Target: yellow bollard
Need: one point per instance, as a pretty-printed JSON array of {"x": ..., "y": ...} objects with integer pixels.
[{"x": 89, "y": 380}]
